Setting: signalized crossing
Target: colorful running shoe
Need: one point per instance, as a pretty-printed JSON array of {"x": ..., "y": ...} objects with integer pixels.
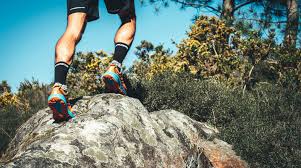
[
  {"x": 57, "y": 102},
  {"x": 113, "y": 79}
]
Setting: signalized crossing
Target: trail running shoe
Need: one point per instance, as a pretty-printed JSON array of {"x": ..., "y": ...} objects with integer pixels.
[
  {"x": 57, "y": 101},
  {"x": 113, "y": 79}
]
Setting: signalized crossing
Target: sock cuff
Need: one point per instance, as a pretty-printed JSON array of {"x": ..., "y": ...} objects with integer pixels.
[
  {"x": 122, "y": 45},
  {"x": 62, "y": 63},
  {"x": 64, "y": 87},
  {"x": 118, "y": 64}
]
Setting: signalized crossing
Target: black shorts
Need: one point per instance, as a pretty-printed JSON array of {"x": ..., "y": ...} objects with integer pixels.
[{"x": 90, "y": 7}]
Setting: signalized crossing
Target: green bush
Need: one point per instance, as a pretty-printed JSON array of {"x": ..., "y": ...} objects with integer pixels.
[
  {"x": 31, "y": 97},
  {"x": 263, "y": 124},
  {"x": 84, "y": 77},
  {"x": 10, "y": 119}
]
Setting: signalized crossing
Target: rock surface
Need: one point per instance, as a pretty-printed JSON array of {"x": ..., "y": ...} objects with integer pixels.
[{"x": 112, "y": 130}]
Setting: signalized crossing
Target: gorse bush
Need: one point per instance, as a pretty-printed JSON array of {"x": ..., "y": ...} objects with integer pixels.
[
  {"x": 10, "y": 119},
  {"x": 84, "y": 76},
  {"x": 213, "y": 50},
  {"x": 34, "y": 94},
  {"x": 16, "y": 108},
  {"x": 263, "y": 124}
]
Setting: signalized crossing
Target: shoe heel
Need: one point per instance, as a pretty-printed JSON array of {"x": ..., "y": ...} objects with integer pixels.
[{"x": 59, "y": 108}]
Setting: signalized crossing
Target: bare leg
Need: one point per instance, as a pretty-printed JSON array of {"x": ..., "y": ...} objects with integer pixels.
[
  {"x": 64, "y": 51},
  {"x": 65, "y": 47},
  {"x": 126, "y": 31},
  {"x": 123, "y": 40}
]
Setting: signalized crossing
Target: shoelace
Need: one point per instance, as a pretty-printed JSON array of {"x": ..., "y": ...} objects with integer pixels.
[{"x": 61, "y": 87}]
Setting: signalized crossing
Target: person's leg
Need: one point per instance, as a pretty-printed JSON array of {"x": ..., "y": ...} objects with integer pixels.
[
  {"x": 124, "y": 37},
  {"x": 125, "y": 34},
  {"x": 64, "y": 52},
  {"x": 65, "y": 46}
]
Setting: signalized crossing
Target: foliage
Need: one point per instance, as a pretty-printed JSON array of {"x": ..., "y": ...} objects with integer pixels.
[
  {"x": 245, "y": 85},
  {"x": 4, "y": 87},
  {"x": 16, "y": 108},
  {"x": 263, "y": 124},
  {"x": 84, "y": 76},
  {"x": 207, "y": 53},
  {"x": 7, "y": 99},
  {"x": 289, "y": 67},
  {"x": 282, "y": 15},
  {"x": 262, "y": 120},
  {"x": 34, "y": 94},
  {"x": 213, "y": 50},
  {"x": 10, "y": 119},
  {"x": 152, "y": 60}
]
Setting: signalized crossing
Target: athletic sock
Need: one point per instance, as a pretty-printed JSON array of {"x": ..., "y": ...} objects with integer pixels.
[
  {"x": 60, "y": 74},
  {"x": 121, "y": 50}
]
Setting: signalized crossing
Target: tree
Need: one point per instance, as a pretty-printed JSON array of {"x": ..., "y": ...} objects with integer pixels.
[
  {"x": 228, "y": 10},
  {"x": 4, "y": 87},
  {"x": 291, "y": 29},
  {"x": 267, "y": 14},
  {"x": 208, "y": 54},
  {"x": 151, "y": 60},
  {"x": 225, "y": 10}
]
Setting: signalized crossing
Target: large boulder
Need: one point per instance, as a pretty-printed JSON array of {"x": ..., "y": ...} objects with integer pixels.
[{"x": 112, "y": 130}]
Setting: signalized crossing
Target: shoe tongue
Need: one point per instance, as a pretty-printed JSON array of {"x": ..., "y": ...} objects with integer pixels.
[
  {"x": 62, "y": 87},
  {"x": 117, "y": 64},
  {"x": 113, "y": 66},
  {"x": 119, "y": 69}
]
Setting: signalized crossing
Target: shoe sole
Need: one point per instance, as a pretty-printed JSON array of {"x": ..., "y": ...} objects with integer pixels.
[
  {"x": 112, "y": 85},
  {"x": 59, "y": 109}
]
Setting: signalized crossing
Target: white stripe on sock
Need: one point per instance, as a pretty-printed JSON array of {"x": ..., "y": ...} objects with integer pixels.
[
  {"x": 64, "y": 64},
  {"x": 122, "y": 45}
]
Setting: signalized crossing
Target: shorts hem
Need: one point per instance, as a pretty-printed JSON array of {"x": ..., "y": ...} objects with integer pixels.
[{"x": 89, "y": 18}]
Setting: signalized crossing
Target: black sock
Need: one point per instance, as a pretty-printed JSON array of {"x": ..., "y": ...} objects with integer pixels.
[
  {"x": 60, "y": 74},
  {"x": 121, "y": 50}
]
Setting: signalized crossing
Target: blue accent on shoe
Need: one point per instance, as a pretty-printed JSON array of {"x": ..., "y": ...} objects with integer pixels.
[
  {"x": 116, "y": 78},
  {"x": 114, "y": 75},
  {"x": 123, "y": 90},
  {"x": 60, "y": 96},
  {"x": 71, "y": 114}
]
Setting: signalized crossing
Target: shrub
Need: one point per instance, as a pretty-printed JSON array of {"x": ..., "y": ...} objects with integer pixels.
[
  {"x": 213, "y": 50},
  {"x": 84, "y": 77},
  {"x": 263, "y": 124},
  {"x": 31, "y": 97}
]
